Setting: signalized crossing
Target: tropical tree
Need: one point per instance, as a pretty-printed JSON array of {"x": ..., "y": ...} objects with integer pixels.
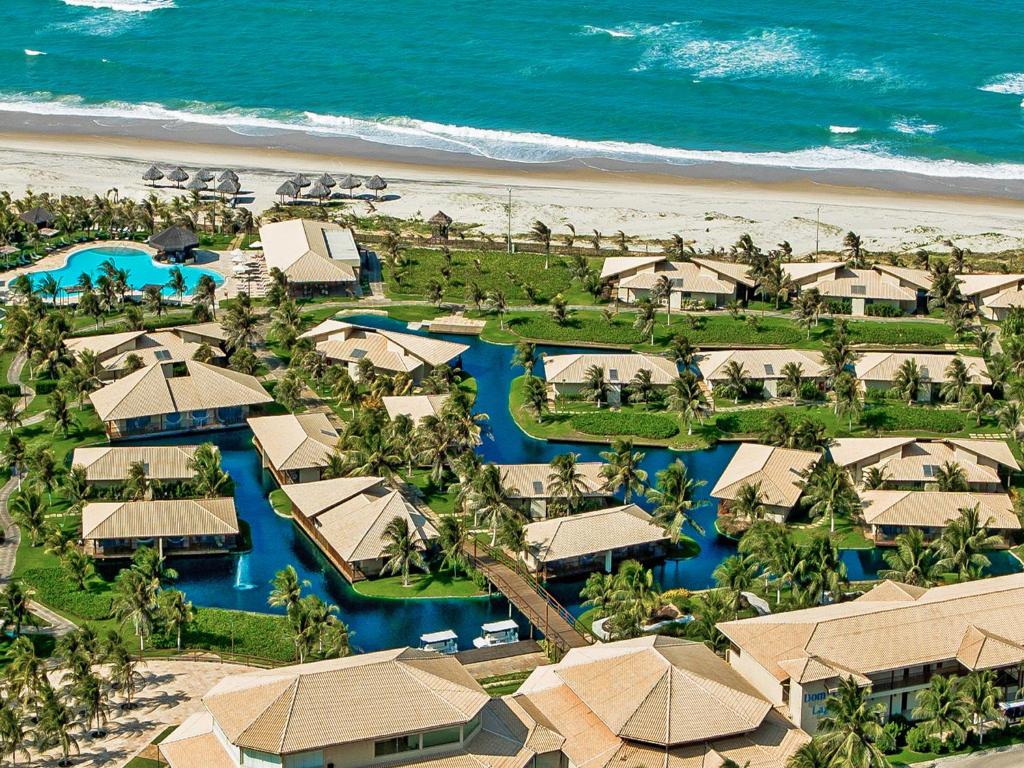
[
  {"x": 641, "y": 387},
  {"x": 489, "y": 499},
  {"x": 958, "y": 381},
  {"x": 90, "y": 693},
  {"x": 736, "y": 574},
  {"x": 525, "y": 356},
  {"x": 210, "y": 479},
  {"x": 134, "y": 601},
  {"x": 497, "y": 303},
  {"x": 848, "y": 397},
  {"x": 875, "y": 478},
  {"x": 13, "y": 737},
  {"x": 686, "y": 398},
  {"x": 736, "y": 381},
  {"x": 907, "y": 381},
  {"x": 14, "y": 604},
  {"x": 912, "y": 561},
  {"x": 644, "y": 322},
  {"x": 851, "y": 726},
  {"x": 980, "y": 696},
  {"x": 28, "y": 508},
  {"x": 56, "y": 724},
  {"x": 748, "y": 504},
  {"x": 828, "y": 491},
  {"x": 535, "y": 395},
  {"x": 622, "y": 469},
  {"x": 152, "y": 565},
  {"x": 453, "y": 533},
  {"x": 950, "y": 476},
  {"x": 792, "y": 380},
  {"x": 811, "y": 755},
  {"x": 401, "y": 550},
  {"x": 1010, "y": 417},
  {"x": 566, "y": 483},
  {"x": 673, "y": 497},
  {"x": 176, "y": 612},
  {"x": 177, "y": 283},
  {"x": 137, "y": 485},
  {"x": 942, "y": 710},
  {"x": 286, "y": 589},
  {"x": 123, "y": 670},
  {"x": 963, "y": 544},
  {"x": 595, "y": 386},
  {"x": 79, "y": 566}
]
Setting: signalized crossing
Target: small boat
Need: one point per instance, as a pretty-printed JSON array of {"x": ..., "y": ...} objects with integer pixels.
[
  {"x": 497, "y": 633},
  {"x": 444, "y": 641}
]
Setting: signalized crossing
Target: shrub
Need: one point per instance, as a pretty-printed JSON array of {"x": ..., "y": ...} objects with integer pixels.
[
  {"x": 53, "y": 587},
  {"x": 11, "y": 390},
  {"x": 809, "y": 390},
  {"x": 649, "y": 425},
  {"x": 44, "y": 386},
  {"x": 899, "y": 334},
  {"x": 744, "y": 422},
  {"x": 893, "y": 417},
  {"x": 264, "y": 635},
  {"x": 883, "y": 310},
  {"x": 887, "y": 741},
  {"x": 840, "y": 307},
  {"x": 917, "y": 739}
]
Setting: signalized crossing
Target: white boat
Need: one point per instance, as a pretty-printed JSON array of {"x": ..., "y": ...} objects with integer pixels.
[
  {"x": 444, "y": 641},
  {"x": 497, "y": 633}
]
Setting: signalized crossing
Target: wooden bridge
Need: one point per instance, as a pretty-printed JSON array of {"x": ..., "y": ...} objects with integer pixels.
[{"x": 523, "y": 591}]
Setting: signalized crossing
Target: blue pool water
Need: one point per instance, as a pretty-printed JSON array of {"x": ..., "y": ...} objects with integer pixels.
[
  {"x": 141, "y": 268},
  {"x": 243, "y": 582}
]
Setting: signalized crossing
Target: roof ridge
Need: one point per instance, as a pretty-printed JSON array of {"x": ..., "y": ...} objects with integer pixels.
[{"x": 291, "y": 711}]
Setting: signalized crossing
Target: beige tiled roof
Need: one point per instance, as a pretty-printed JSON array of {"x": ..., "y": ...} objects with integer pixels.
[
  {"x": 915, "y": 454},
  {"x": 298, "y": 247},
  {"x": 1011, "y": 297},
  {"x": 151, "y": 347},
  {"x": 616, "y": 265},
  {"x": 778, "y": 470},
  {"x": 102, "y": 343},
  {"x": 760, "y": 364},
  {"x": 846, "y": 451},
  {"x": 152, "y": 391},
  {"x": 733, "y": 270},
  {"x": 295, "y": 441},
  {"x": 212, "y": 331},
  {"x": 416, "y": 407},
  {"x": 572, "y": 369},
  {"x": 109, "y": 464},
  {"x": 325, "y": 328},
  {"x": 869, "y": 636},
  {"x": 863, "y": 284},
  {"x": 892, "y": 591},
  {"x": 805, "y": 271},
  {"x": 996, "y": 450},
  {"x": 973, "y": 284},
  {"x": 882, "y": 366},
  {"x": 193, "y": 744},
  {"x": 811, "y": 669},
  {"x": 685, "y": 276},
  {"x": 657, "y": 690},
  {"x": 919, "y": 278},
  {"x": 159, "y": 517},
  {"x": 983, "y": 650},
  {"x": 935, "y": 509},
  {"x": 920, "y": 461},
  {"x": 388, "y": 350},
  {"x": 533, "y": 481},
  {"x": 352, "y": 514},
  {"x": 341, "y": 701},
  {"x": 588, "y": 533}
]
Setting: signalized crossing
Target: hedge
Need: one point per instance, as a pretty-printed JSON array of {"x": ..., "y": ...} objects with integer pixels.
[
  {"x": 11, "y": 390},
  {"x": 649, "y": 425},
  {"x": 922, "y": 334},
  {"x": 745, "y": 422},
  {"x": 913, "y": 418},
  {"x": 44, "y": 386},
  {"x": 53, "y": 587}
]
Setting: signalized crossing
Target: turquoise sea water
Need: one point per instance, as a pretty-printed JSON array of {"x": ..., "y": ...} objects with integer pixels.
[
  {"x": 142, "y": 270},
  {"x": 926, "y": 87}
]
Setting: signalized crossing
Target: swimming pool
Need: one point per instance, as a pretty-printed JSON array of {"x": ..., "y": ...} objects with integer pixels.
[{"x": 141, "y": 269}]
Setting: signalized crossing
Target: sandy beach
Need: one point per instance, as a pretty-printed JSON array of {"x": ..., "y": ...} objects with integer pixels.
[{"x": 645, "y": 202}]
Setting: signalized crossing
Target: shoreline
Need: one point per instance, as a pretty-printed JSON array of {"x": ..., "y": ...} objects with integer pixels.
[{"x": 711, "y": 204}]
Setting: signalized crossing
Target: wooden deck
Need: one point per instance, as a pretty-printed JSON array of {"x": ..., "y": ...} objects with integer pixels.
[{"x": 524, "y": 592}]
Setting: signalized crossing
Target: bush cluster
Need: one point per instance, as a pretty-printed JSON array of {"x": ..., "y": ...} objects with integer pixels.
[
  {"x": 53, "y": 587},
  {"x": 649, "y": 425},
  {"x": 883, "y": 310}
]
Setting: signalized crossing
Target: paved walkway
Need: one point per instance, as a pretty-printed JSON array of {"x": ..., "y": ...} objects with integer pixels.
[
  {"x": 12, "y": 534},
  {"x": 1004, "y": 757},
  {"x": 14, "y": 377}
]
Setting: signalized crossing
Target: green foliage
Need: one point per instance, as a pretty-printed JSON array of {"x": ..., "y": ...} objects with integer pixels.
[
  {"x": 895, "y": 417},
  {"x": 259, "y": 634},
  {"x": 54, "y": 587},
  {"x": 649, "y": 425},
  {"x": 903, "y": 333},
  {"x": 882, "y": 310}
]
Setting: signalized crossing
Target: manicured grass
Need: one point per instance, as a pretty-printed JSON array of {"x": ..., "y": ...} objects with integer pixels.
[
  {"x": 625, "y": 422},
  {"x": 282, "y": 504},
  {"x": 992, "y": 741},
  {"x": 900, "y": 333},
  {"x": 421, "y": 585},
  {"x": 504, "y": 685},
  {"x": 53, "y": 587},
  {"x": 440, "y": 500}
]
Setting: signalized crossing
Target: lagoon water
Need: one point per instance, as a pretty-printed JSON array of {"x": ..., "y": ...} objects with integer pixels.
[{"x": 925, "y": 87}]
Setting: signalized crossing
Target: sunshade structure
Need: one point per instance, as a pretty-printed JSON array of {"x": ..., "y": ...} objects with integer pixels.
[
  {"x": 152, "y": 175},
  {"x": 227, "y": 173},
  {"x": 37, "y": 217},
  {"x": 288, "y": 189},
  {"x": 175, "y": 242},
  {"x": 229, "y": 187},
  {"x": 205, "y": 174},
  {"x": 328, "y": 181},
  {"x": 319, "y": 191},
  {"x": 440, "y": 224},
  {"x": 178, "y": 175},
  {"x": 376, "y": 184},
  {"x": 300, "y": 181},
  {"x": 349, "y": 183},
  {"x": 197, "y": 185}
]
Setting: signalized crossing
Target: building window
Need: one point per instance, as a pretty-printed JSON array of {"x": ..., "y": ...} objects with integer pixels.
[
  {"x": 441, "y": 736},
  {"x": 470, "y": 728},
  {"x": 396, "y": 746}
]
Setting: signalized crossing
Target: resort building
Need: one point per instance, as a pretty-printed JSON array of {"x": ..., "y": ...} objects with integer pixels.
[
  {"x": 399, "y": 707},
  {"x": 294, "y": 448},
  {"x": 108, "y": 466},
  {"x": 592, "y": 541},
  {"x": 878, "y": 370},
  {"x": 346, "y": 517},
  {"x": 913, "y": 464},
  {"x": 991, "y": 294},
  {"x": 532, "y": 487},
  {"x": 416, "y": 407},
  {"x": 863, "y": 288},
  {"x": 175, "y": 244},
  {"x": 456, "y": 325},
  {"x": 389, "y": 352},
  {"x": 114, "y": 351},
  {"x": 895, "y": 638},
  {"x": 887, "y": 514},
  {"x": 567, "y": 375},
  {"x": 805, "y": 273},
  {"x": 777, "y": 473},
  {"x": 762, "y": 366},
  {"x": 317, "y": 257},
  {"x": 173, "y": 526},
  {"x": 212, "y": 334},
  {"x": 172, "y": 398},
  {"x": 698, "y": 282},
  {"x": 654, "y": 702}
]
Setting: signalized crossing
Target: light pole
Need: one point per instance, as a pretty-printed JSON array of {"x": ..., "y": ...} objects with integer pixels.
[
  {"x": 510, "y": 219},
  {"x": 817, "y": 226}
]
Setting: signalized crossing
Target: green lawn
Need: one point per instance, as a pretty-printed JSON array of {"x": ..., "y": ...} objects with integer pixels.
[
  {"x": 504, "y": 685},
  {"x": 992, "y": 741},
  {"x": 282, "y": 504},
  {"x": 421, "y": 585}
]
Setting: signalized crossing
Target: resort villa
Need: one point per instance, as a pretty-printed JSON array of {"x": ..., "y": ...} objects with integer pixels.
[
  {"x": 895, "y": 638},
  {"x": 415, "y": 407},
  {"x": 390, "y": 352},
  {"x": 991, "y": 294},
  {"x": 212, "y": 333},
  {"x": 777, "y": 474},
  {"x": 762, "y": 366},
  {"x": 346, "y": 517},
  {"x": 170, "y": 398},
  {"x": 592, "y": 541},
  {"x": 317, "y": 257},
  {"x": 113, "y": 350},
  {"x": 913, "y": 464},
  {"x": 655, "y": 702},
  {"x": 864, "y": 288},
  {"x": 805, "y": 273},
  {"x": 696, "y": 282},
  {"x": 878, "y": 371},
  {"x": 532, "y": 487},
  {"x": 887, "y": 514},
  {"x": 294, "y": 448},
  {"x": 567, "y": 375},
  {"x": 173, "y": 526},
  {"x": 108, "y": 466}
]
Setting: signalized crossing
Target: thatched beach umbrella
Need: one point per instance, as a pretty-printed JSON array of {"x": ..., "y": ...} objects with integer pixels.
[
  {"x": 38, "y": 217},
  {"x": 349, "y": 183},
  {"x": 319, "y": 190},
  {"x": 440, "y": 223},
  {"x": 204, "y": 174},
  {"x": 288, "y": 189},
  {"x": 300, "y": 181},
  {"x": 229, "y": 187},
  {"x": 197, "y": 185},
  {"x": 153, "y": 175},
  {"x": 227, "y": 174},
  {"x": 376, "y": 183},
  {"x": 178, "y": 175},
  {"x": 328, "y": 181}
]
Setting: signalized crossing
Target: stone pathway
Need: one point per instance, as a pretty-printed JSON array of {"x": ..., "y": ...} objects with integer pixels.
[{"x": 12, "y": 534}]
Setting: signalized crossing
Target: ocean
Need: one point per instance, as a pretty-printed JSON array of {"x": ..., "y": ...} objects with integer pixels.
[{"x": 927, "y": 88}]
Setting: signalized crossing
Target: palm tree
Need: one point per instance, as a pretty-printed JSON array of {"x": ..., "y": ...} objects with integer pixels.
[
  {"x": 736, "y": 382},
  {"x": 595, "y": 387},
  {"x": 735, "y": 574},
  {"x": 673, "y": 499},
  {"x": 90, "y": 693},
  {"x": 715, "y": 606},
  {"x": 792, "y": 380},
  {"x": 400, "y": 550},
  {"x": 9, "y": 413},
  {"x": 287, "y": 589},
  {"x": 748, "y": 504},
  {"x": 599, "y": 592},
  {"x": 980, "y": 695},
  {"x": 13, "y": 738},
  {"x": 209, "y": 479},
  {"x": 912, "y": 562},
  {"x": 79, "y": 566},
  {"x": 623, "y": 469},
  {"x": 875, "y": 479},
  {"x": 14, "y": 602},
  {"x": 489, "y": 499},
  {"x": 76, "y": 488},
  {"x": 177, "y": 612},
  {"x": 963, "y": 544},
  {"x": 854, "y": 249},
  {"x": 136, "y": 484},
  {"x": 645, "y": 318},
  {"x": 907, "y": 381},
  {"x": 55, "y": 725},
  {"x": 535, "y": 396},
  {"x": 958, "y": 380},
  {"x": 525, "y": 356},
  {"x": 829, "y": 491},
  {"x": 565, "y": 481},
  {"x": 177, "y": 283},
  {"x": 241, "y": 324},
  {"x": 951, "y": 477},
  {"x": 687, "y": 399},
  {"x": 541, "y": 232},
  {"x": 453, "y": 533},
  {"x": 848, "y": 397},
  {"x": 29, "y": 509},
  {"x": 135, "y": 601},
  {"x": 850, "y": 727},
  {"x": 811, "y": 755},
  {"x": 941, "y": 709},
  {"x": 1010, "y": 416},
  {"x": 123, "y": 670},
  {"x": 497, "y": 302},
  {"x": 662, "y": 292},
  {"x": 641, "y": 386},
  {"x": 153, "y": 565}
]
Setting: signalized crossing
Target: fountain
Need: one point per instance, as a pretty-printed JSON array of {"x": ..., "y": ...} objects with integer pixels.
[{"x": 242, "y": 582}]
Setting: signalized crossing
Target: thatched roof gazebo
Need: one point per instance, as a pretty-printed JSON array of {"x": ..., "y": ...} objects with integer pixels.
[
  {"x": 227, "y": 173},
  {"x": 175, "y": 243},
  {"x": 349, "y": 183},
  {"x": 229, "y": 187},
  {"x": 300, "y": 181},
  {"x": 319, "y": 190},
  {"x": 197, "y": 185},
  {"x": 205, "y": 174},
  {"x": 153, "y": 175},
  {"x": 178, "y": 175},
  {"x": 376, "y": 184},
  {"x": 440, "y": 225},
  {"x": 328, "y": 181},
  {"x": 288, "y": 189},
  {"x": 38, "y": 217}
]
